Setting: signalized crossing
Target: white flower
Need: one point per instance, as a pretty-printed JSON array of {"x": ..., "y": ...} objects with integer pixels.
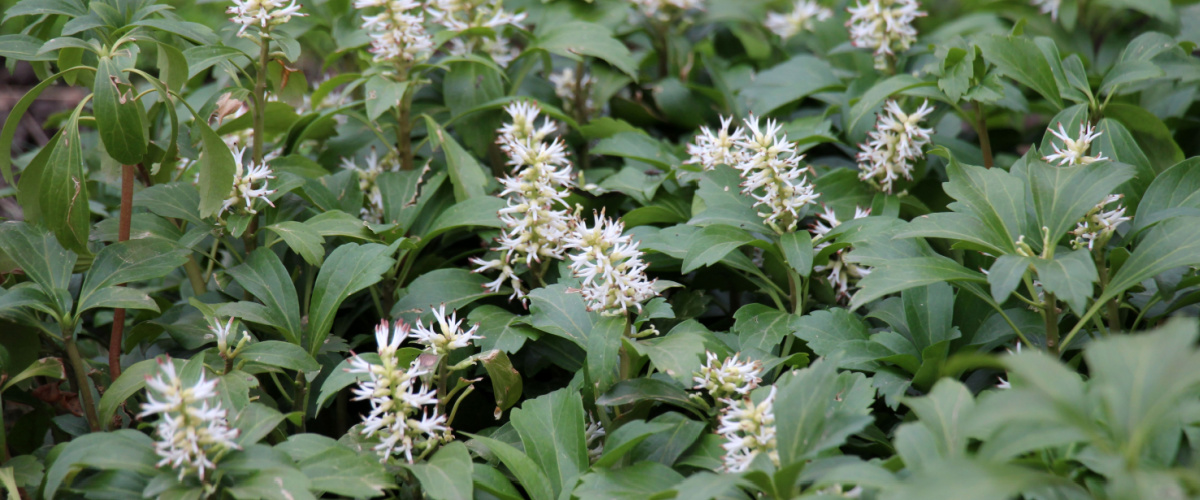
[
  {"x": 397, "y": 396},
  {"x": 1048, "y": 7},
  {"x": 462, "y": 15},
  {"x": 771, "y": 165},
  {"x": 749, "y": 430},
  {"x": 664, "y": 10},
  {"x": 192, "y": 428},
  {"x": 840, "y": 272},
  {"x": 367, "y": 177},
  {"x": 592, "y": 438},
  {"x": 610, "y": 265},
  {"x": 450, "y": 335},
  {"x": 802, "y": 18},
  {"x": 720, "y": 148},
  {"x": 244, "y": 182},
  {"x": 536, "y": 213},
  {"x": 885, "y": 26},
  {"x": 567, "y": 87},
  {"x": 1099, "y": 224},
  {"x": 398, "y": 32},
  {"x": 264, "y": 14},
  {"x": 895, "y": 143},
  {"x": 223, "y": 334},
  {"x": 724, "y": 379},
  {"x": 1074, "y": 151}
]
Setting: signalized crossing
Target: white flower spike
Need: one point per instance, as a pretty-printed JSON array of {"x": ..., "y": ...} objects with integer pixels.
[
  {"x": 725, "y": 379},
  {"x": 840, "y": 273},
  {"x": 244, "y": 181},
  {"x": 192, "y": 428},
  {"x": 610, "y": 266},
  {"x": 749, "y": 430},
  {"x": 1073, "y": 151},
  {"x": 884, "y": 26},
  {"x": 803, "y": 17},
  {"x": 897, "y": 141},
  {"x": 449, "y": 334},
  {"x": 263, "y": 14}
]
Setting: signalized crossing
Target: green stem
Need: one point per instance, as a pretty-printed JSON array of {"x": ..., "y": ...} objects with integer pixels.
[
  {"x": 1050, "y": 313},
  {"x": 1078, "y": 326},
  {"x": 300, "y": 400},
  {"x": 250, "y": 239},
  {"x": 3, "y": 435},
  {"x": 1113, "y": 313},
  {"x": 985, "y": 142},
  {"x": 454, "y": 409},
  {"x": 443, "y": 379},
  {"x": 81, "y": 379},
  {"x": 195, "y": 277},
  {"x": 404, "y": 128}
]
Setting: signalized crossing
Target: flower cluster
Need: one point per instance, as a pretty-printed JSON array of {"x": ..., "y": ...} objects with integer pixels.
[
  {"x": 462, "y": 15},
  {"x": 1073, "y": 151},
  {"x": 264, "y": 14},
  {"x": 894, "y": 145},
  {"x": 840, "y": 272},
  {"x": 536, "y": 213},
  {"x": 568, "y": 85},
  {"x": 225, "y": 333},
  {"x": 610, "y": 265},
  {"x": 768, "y": 163},
  {"x": 244, "y": 181},
  {"x": 367, "y": 177},
  {"x": 397, "y": 397},
  {"x": 450, "y": 335},
  {"x": 193, "y": 431},
  {"x": 724, "y": 379},
  {"x": 593, "y": 436},
  {"x": 803, "y": 17},
  {"x": 748, "y": 429},
  {"x": 397, "y": 32},
  {"x": 884, "y": 26},
  {"x": 664, "y": 10},
  {"x": 1099, "y": 224}
]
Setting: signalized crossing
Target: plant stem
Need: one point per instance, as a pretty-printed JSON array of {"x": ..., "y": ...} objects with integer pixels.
[
  {"x": 985, "y": 142},
  {"x": 81, "y": 379},
  {"x": 1114, "y": 314},
  {"x": 195, "y": 276},
  {"x": 443, "y": 378},
  {"x": 1050, "y": 313},
  {"x": 260, "y": 118},
  {"x": 3, "y": 435},
  {"x": 581, "y": 112},
  {"x": 123, "y": 222},
  {"x": 404, "y": 128}
]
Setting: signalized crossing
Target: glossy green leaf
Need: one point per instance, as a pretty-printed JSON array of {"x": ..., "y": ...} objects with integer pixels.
[
  {"x": 788, "y": 82},
  {"x": 302, "y": 238},
  {"x": 1062, "y": 195},
  {"x": 1174, "y": 192},
  {"x": 334, "y": 468},
  {"x": 1020, "y": 59},
  {"x": 1168, "y": 245},
  {"x": 348, "y": 269},
  {"x": 264, "y": 276},
  {"x": 45, "y": 367},
  {"x": 65, "y": 179},
  {"x": 506, "y": 381},
  {"x": 551, "y": 428},
  {"x": 530, "y": 475},
  {"x": 1070, "y": 276},
  {"x": 603, "y": 349},
  {"x": 447, "y": 474},
  {"x": 798, "y": 251},
  {"x": 280, "y": 354},
  {"x": 902, "y": 274},
  {"x": 558, "y": 312},
  {"x": 126, "y": 449},
  {"x": 636, "y": 482},
  {"x": 575, "y": 39},
  {"x": 817, "y": 409},
  {"x": 117, "y": 115},
  {"x": 217, "y": 166}
]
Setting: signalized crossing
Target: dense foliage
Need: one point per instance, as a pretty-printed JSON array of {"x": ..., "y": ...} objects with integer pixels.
[{"x": 694, "y": 249}]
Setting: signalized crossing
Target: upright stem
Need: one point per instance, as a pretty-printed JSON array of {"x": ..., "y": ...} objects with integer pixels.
[
  {"x": 404, "y": 128},
  {"x": 195, "y": 276},
  {"x": 1113, "y": 313},
  {"x": 123, "y": 222},
  {"x": 443, "y": 380},
  {"x": 985, "y": 142},
  {"x": 81, "y": 379},
  {"x": 1050, "y": 313},
  {"x": 3, "y": 435},
  {"x": 260, "y": 118},
  {"x": 581, "y": 111}
]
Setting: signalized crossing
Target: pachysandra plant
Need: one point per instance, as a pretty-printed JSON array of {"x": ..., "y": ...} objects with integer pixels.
[{"x": 443, "y": 249}]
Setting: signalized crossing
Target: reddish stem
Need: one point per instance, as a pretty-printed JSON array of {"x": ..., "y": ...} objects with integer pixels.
[{"x": 123, "y": 223}]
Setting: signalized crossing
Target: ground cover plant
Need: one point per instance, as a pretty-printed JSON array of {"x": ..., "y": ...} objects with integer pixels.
[{"x": 694, "y": 249}]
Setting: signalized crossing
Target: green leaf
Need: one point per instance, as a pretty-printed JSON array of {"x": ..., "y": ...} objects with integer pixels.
[
  {"x": 501, "y": 329},
  {"x": 506, "y": 381},
  {"x": 338, "y": 223},
  {"x": 69, "y": 8},
  {"x": 466, "y": 174},
  {"x": 194, "y": 32},
  {"x": 64, "y": 179},
  {"x": 128, "y": 262},
  {"x": 202, "y": 57},
  {"x": 555, "y": 311},
  {"x": 833, "y": 331},
  {"x": 38, "y": 254},
  {"x": 635, "y": 482},
  {"x": 254, "y": 422},
  {"x": 45, "y": 367},
  {"x": 1062, "y": 195},
  {"x": 1155, "y": 139},
  {"x": 281, "y": 354},
  {"x": 817, "y": 409},
  {"x": 302, "y": 238},
  {"x": 1174, "y": 192},
  {"x": 1168, "y": 245},
  {"x": 604, "y": 345},
  {"x": 217, "y": 166},
  {"x": 527, "y": 472},
  {"x": 577, "y": 38},
  {"x": 1005, "y": 275},
  {"x": 127, "y": 450},
  {"x": 475, "y": 212},
  {"x": 787, "y": 82},
  {"x": 719, "y": 201},
  {"x": 666, "y": 447},
  {"x": 349, "y": 268},
  {"x": 118, "y": 118},
  {"x": 177, "y": 200},
  {"x": 1160, "y": 9},
  {"x": 798, "y": 251},
  {"x": 902, "y": 274},
  {"x": 638, "y": 146},
  {"x": 1127, "y": 72},
  {"x": 273, "y": 482},
  {"x": 132, "y": 380},
  {"x": 551, "y": 428},
  {"x": 971, "y": 479},
  {"x": 944, "y": 411},
  {"x": 712, "y": 244},
  {"x": 646, "y": 389},
  {"x": 334, "y": 468},
  {"x": 1070, "y": 276},
  {"x": 447, "y": 474},
  {"x": 989, "y": 211},
  {"x": 928, "y": 311},
  {"x": 625, "y": 438},
  {"x": 1020, "y": 58},
  {"x": 1118, "y": 144},
  {"x": 455, "y": 287},
  {"x": 264, "y": 276},
  {"x": 761, "y": 327},
  {"x": 383, "y": 94},
  {"x": 118, "y": 298},
  {"x": 17, "y": 112},
  {"x": 681, "y": 352}
]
